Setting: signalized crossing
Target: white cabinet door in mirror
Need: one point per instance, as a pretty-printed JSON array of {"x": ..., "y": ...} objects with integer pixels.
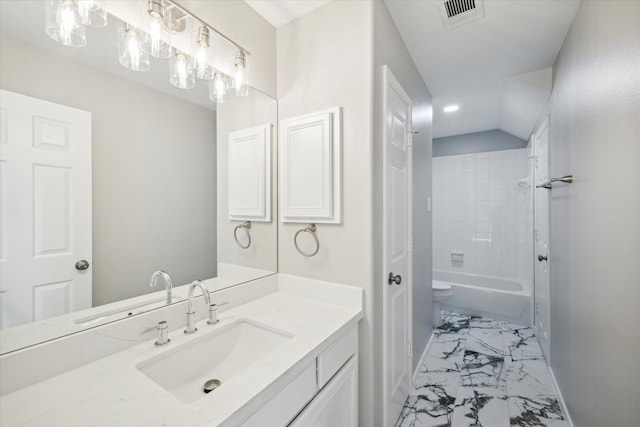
[
  {"x": 250, "y": 173},
  {"x": 310, "y": 167}
]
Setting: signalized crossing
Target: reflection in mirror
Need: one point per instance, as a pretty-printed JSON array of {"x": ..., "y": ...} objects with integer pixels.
[
  {"x": 245, "y": 177},
  {"x": 149, "y": 191}
]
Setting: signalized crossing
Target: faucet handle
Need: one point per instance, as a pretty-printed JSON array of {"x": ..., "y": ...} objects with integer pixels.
[
  {"x": 213, "y": 313},
  {"x": 163, "y": 332}
]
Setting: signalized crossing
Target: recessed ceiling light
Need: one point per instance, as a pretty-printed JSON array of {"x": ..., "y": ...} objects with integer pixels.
[{"x": 450, "y": 108}]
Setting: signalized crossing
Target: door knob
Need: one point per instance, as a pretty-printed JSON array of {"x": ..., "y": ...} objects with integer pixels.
[
  {"x": 397, "y": 279},
  {"x": 83, "y": 264},
  {"x": 542, "y": 258}
]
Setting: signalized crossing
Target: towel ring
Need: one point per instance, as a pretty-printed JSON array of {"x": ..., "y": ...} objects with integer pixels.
[
  {"x": 311, "y": 229},
  {"x": 246, "y": 226}
]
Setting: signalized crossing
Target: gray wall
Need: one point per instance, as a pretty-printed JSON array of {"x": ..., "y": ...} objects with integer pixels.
[
  {"x": 389, "y": 49},
  {"x": 154, "y": 170},
  {"x": 477, "y": 142},
  {"x": 595, "y": 225}
]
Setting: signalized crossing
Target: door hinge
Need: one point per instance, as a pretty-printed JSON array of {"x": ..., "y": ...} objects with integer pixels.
[
  {"x": 410, "y": 244},
  {"x": 410, "y": 139},
  {"x": 409, "y": 349}
]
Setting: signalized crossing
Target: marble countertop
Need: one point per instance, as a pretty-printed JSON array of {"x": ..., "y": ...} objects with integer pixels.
[{"x": 112, "y": 391}]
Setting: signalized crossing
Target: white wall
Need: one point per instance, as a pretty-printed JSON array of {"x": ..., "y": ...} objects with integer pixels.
[
  {"x": 324, "y": 60},
  {"x": 595, "y": 225},
  {"x": 480, "y": 210},
  {"x": 389, "y": 49},
  {"x": 154, "y": 159}
]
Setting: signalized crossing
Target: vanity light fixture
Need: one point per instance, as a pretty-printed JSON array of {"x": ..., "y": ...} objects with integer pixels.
[
  {"x": 240, "y": 78},
  {"x": 159, "y": 38},
  {"x": 132, "y": 48},
  {"x": 162, "y": 21},
  {"x": 182, "y": 73},
  {"x": 451, "y": 108},
  {"x": 218, "y": 88},
  {"x": 64, "y": 23},
  {"x": 204, "y": 53},
  {"x": 93, "y": 13}
]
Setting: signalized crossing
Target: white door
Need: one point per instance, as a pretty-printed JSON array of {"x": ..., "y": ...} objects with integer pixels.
[
  {"x": 397, "y": 248},
  {"x": 541, "y": 236},
  {"x": 45, "y": 209}
]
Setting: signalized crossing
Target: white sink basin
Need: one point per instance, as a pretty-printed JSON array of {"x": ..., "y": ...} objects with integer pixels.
[{"x": 219, "y": 354}]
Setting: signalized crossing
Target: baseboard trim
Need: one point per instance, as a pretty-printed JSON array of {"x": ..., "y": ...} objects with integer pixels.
[
  {"x": 563, "y": 406},
  {"x": 426, "y": 349}
]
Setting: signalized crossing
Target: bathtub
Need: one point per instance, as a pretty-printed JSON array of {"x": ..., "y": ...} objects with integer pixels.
[{"x": 494, "y": 297}]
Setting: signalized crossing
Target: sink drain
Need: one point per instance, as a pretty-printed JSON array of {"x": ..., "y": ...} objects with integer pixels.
[{"x": 211, "y": 385}]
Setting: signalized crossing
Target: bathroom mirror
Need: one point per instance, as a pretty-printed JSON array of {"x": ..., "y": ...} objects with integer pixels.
[{"x": 158, "y": 172}]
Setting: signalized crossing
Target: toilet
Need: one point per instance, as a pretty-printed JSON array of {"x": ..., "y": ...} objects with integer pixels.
[{"x": 441, "y": 292}]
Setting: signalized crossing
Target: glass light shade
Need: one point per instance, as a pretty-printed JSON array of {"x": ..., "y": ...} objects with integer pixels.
[
  {"x": 93, "y": 13},
  {"x": 64, "y": 23},
  {"x": 204, "y": 53},
  {"x": 132, "y": 48},
  {"x": 159, "y": 37},
  {"x": 241, "y": 76},
  {"x": 217, "y": 88},
  {"x": 182, "y": 73}
]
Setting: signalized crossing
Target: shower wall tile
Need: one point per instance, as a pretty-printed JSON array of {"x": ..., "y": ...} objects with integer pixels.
[{"x": 480, "y": 209}]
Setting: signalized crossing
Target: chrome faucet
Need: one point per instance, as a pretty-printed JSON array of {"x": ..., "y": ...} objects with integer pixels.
[
  {"x": 191, "y": 313},
  {"x": 213, "y": 313},
  {"x": 163, "y": 333},
  {"x": 167, "y": 282}
]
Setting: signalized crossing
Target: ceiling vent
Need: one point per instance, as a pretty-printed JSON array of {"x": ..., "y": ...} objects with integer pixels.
[{"x": 456, "y": 13}]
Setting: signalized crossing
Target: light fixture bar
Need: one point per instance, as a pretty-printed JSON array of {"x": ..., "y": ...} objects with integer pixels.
[{"x": 187, "y": 12}]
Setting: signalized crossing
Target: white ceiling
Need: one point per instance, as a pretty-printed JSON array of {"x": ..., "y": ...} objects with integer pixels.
[
  {"x": 486, "y": 66},
  {"x": 479, "y": 65},
  {"x": 279, "y": 12}
]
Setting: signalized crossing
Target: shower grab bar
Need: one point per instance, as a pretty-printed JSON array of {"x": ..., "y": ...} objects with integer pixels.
[{"x": 568, "y": 179}]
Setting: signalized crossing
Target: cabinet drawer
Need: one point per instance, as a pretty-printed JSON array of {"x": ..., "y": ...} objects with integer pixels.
[
  {"x": 332, "y": 359},
  {"x": 280, "y": 410},
  {"x": 337, "y": 404}
]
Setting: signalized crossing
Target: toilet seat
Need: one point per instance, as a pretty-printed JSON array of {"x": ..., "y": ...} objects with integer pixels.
[{"x": 441, "y": 288}]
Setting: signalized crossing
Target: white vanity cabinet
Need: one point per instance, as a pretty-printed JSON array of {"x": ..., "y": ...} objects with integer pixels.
[
  {"x": 325, "y": 394},
  {"x": 337, "y": 403},
  {"x": 310, "y": 379}
]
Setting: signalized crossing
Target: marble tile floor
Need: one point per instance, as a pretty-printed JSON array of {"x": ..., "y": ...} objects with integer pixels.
[{"x": 480, "y": 372}]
